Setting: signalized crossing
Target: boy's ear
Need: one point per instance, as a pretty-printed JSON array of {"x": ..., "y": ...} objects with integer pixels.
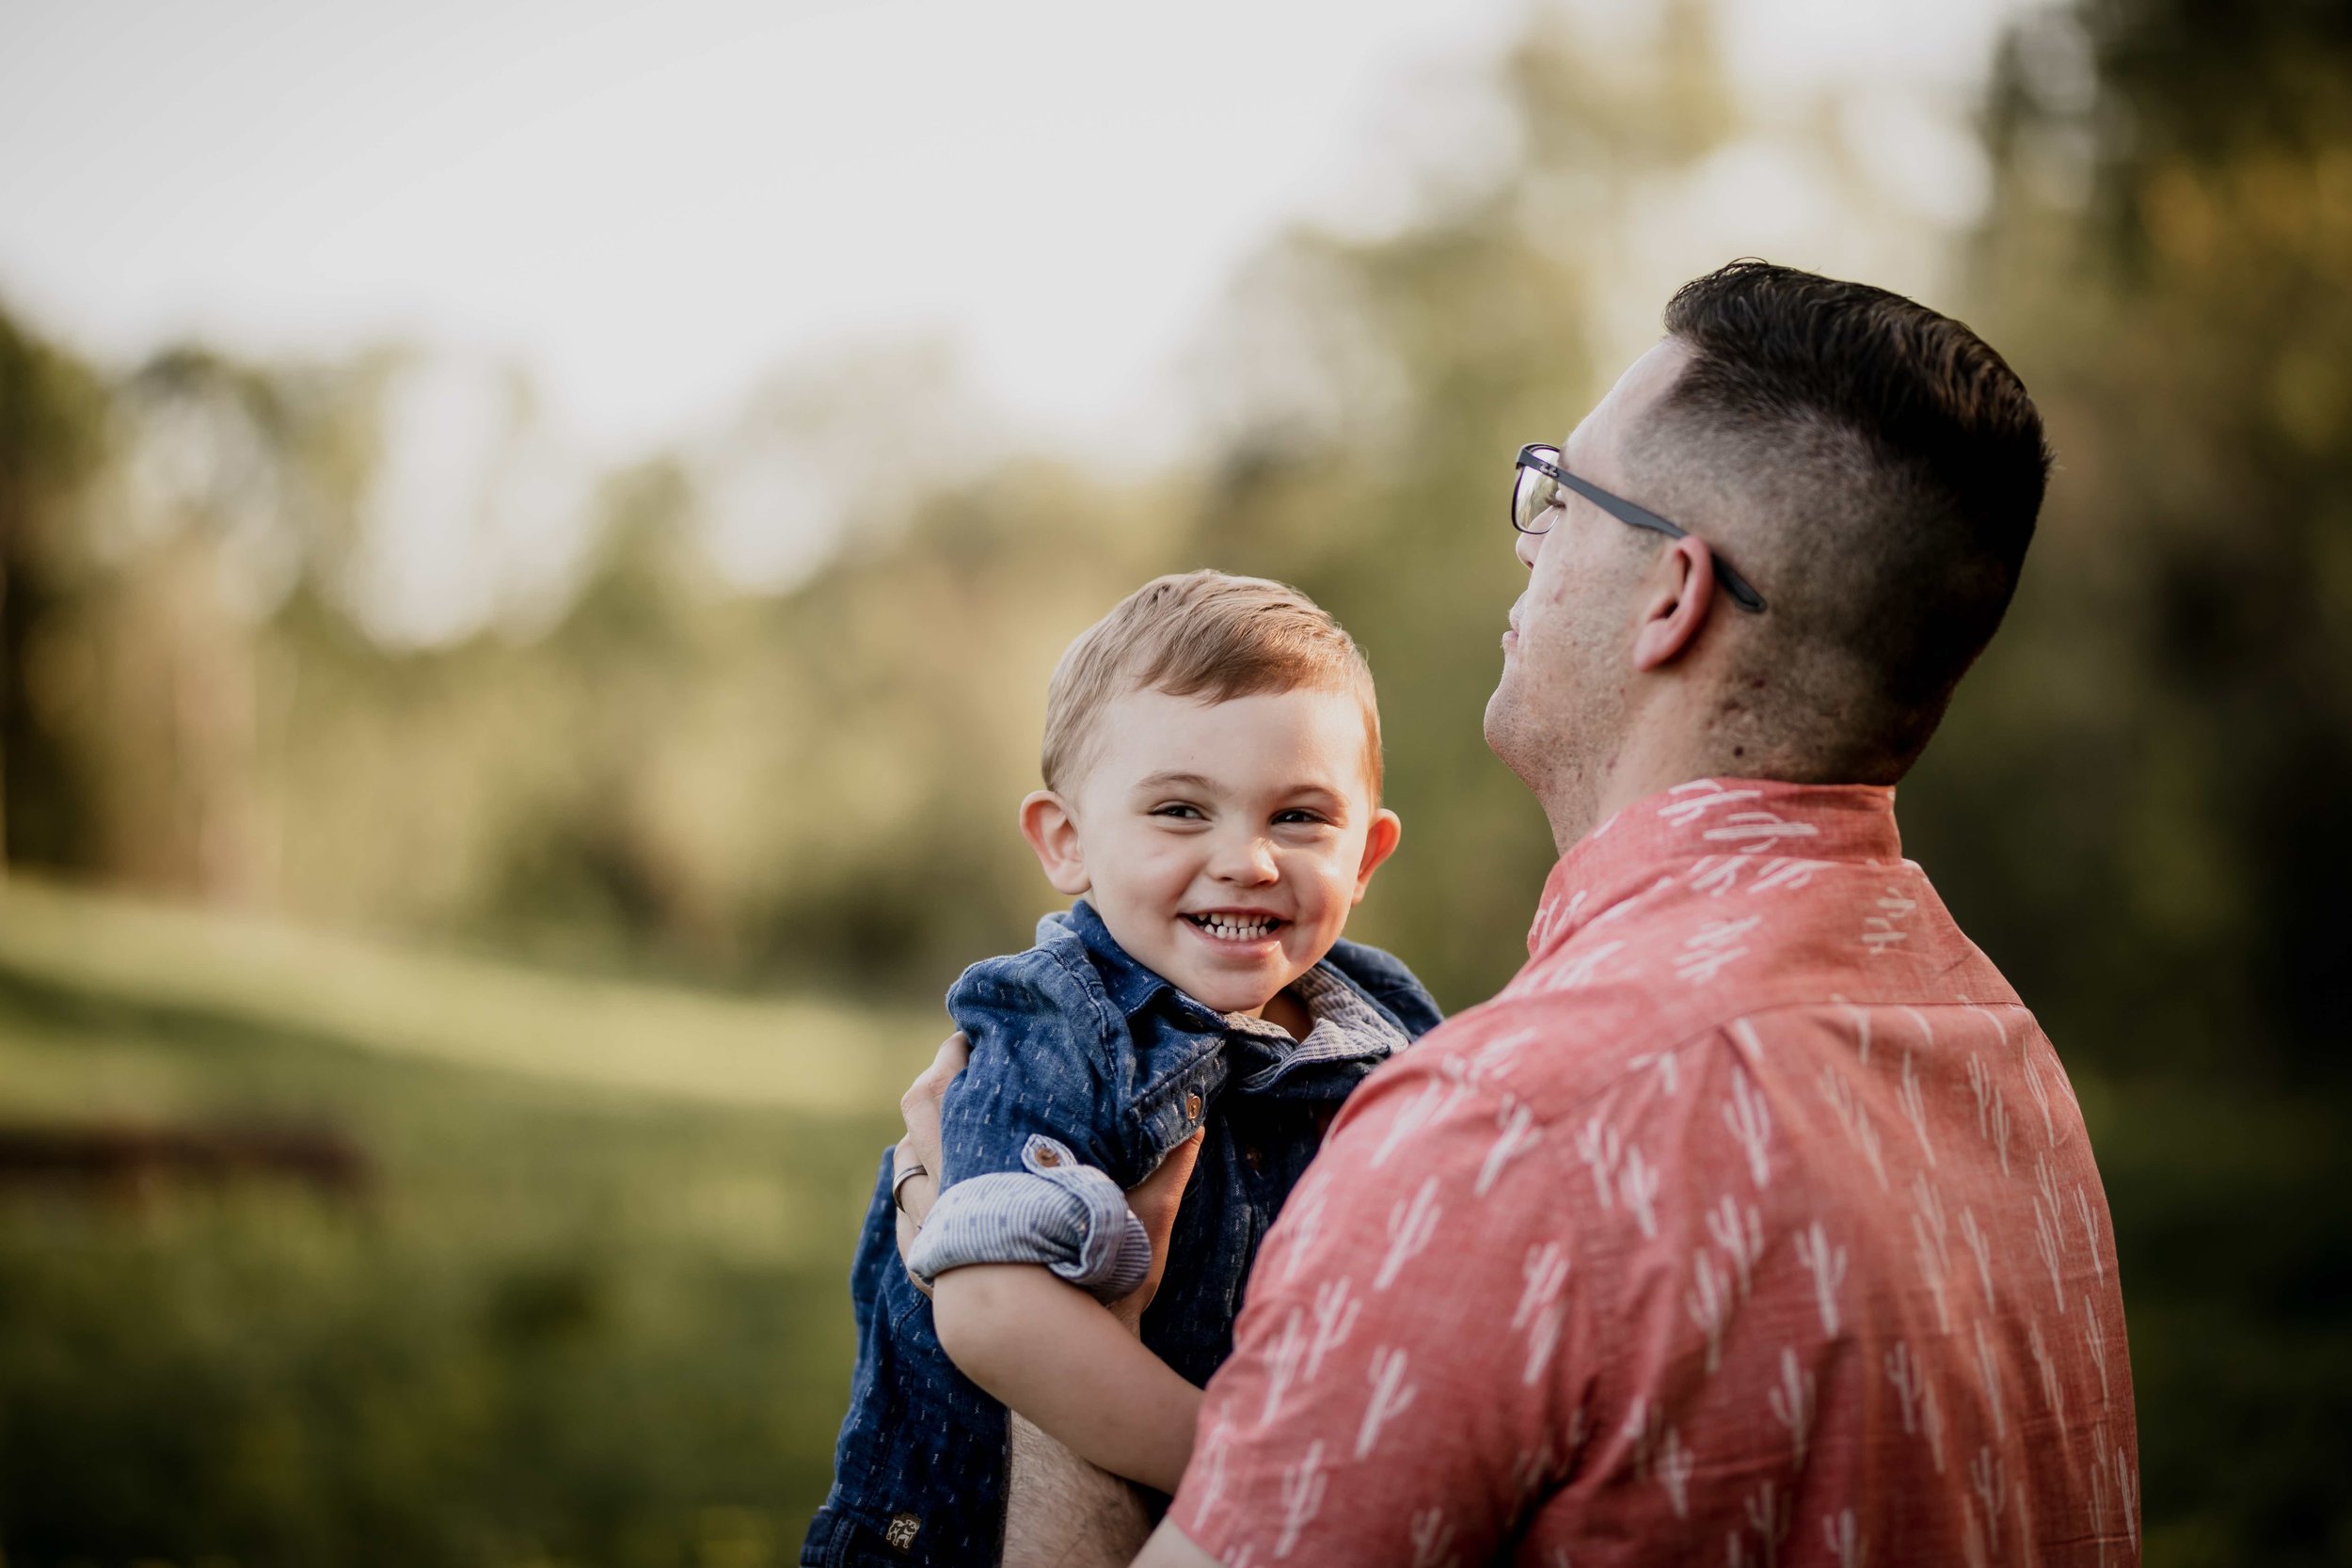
[
  {"x": 1379, "y": 844},
  {"x": 1053, "y": 833}
]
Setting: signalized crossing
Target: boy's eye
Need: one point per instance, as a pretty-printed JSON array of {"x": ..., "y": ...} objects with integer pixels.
[
  {"x": 1300, "y": 814},
  {"x": 1182, "y": 811}
]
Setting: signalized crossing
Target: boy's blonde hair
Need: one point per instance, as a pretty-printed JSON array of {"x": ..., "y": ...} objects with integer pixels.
[{"x": 1207, "y": 635}]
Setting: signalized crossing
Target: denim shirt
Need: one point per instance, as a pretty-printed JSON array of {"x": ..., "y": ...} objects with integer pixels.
[{"x": 1087, "y": 1068}]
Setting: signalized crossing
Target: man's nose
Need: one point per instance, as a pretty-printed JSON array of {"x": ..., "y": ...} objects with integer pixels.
[
  {"x": 1246, "y": 859},
  {"x": 1525, "y": 546}
]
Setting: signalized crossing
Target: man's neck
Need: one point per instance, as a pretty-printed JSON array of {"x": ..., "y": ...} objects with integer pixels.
[{"x": 1638, "y": 770}]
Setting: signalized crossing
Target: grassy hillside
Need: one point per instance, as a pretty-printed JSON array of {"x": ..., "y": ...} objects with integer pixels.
[{"x": 589, "y": 1307}]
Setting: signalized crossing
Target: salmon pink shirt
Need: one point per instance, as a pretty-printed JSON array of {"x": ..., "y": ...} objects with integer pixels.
[{"x": 1752, "y": 1224}]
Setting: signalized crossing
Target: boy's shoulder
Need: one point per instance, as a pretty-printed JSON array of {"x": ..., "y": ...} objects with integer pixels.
[
  {"x": 1055, "y": 986},
  {"x": 1383, "y": 977}
]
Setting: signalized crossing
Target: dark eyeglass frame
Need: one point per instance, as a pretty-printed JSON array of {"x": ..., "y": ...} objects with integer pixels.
[{"x": 1544, "y": 459}]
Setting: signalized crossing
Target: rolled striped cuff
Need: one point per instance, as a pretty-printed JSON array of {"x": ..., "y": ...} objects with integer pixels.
[{"x": 1071, "y": 1218}]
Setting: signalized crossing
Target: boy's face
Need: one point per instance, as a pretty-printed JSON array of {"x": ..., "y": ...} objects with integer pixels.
[{"x": 1223, "y": 844}]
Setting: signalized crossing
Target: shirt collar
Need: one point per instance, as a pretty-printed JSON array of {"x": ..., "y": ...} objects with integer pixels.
[
  {"x": 1713, "y": 825},
  {"x": 1130, "y": 986}
]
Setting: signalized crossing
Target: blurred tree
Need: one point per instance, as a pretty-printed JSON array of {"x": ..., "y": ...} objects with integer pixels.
[
  {"x": 52, "y": 439},
  {"x": 2138, "y": 795}
]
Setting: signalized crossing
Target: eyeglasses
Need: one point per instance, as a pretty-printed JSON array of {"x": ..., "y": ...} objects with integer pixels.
[{"x": 1535, "y": 488}]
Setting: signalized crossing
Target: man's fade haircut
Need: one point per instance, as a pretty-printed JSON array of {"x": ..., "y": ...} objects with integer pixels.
[
  {"x": 1206, "y": 635},
  {"x": 1895, "y": 466}
]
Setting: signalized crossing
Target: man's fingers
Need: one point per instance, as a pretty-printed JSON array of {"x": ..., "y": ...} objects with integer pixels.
[
  {"x": 1154, "y": 1198},
  {"x": 915, "y": 1171},
  {"x": 913, "y": 1184},
  {"x": 919, "y": 1106}
]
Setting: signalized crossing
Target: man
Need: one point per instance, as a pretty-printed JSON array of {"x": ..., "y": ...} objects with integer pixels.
[{"x": 1755, "y": 1221}]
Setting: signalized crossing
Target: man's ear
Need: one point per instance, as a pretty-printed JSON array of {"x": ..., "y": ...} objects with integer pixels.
[
  {"x": 1677, "y": 596},
  {"x": 1046, "y": 822},
  {"x": 1379, "y": 844}
]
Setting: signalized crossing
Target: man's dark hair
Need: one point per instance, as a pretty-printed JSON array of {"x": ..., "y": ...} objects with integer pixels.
[{"x": 1893, "y": 466}]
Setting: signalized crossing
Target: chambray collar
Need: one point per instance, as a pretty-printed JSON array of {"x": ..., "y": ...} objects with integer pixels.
[
  {"x": 1722, "y": 827},
  {"x": 1131, "y": 986},
  {"x": 1345, "y": 1028}
]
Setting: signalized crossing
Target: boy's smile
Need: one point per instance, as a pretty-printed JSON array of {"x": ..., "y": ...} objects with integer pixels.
[{"x": 1223, "y": 843}]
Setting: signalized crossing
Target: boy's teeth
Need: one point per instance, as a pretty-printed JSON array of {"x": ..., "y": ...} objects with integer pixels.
[{"x": 1236, "y": 930}]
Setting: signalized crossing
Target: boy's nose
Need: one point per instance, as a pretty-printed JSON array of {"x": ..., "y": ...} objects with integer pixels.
[{"x": 1244, "y": 860}]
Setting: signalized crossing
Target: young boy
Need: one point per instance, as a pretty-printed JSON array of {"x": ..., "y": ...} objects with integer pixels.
[{"x": 1212, "y": 765}]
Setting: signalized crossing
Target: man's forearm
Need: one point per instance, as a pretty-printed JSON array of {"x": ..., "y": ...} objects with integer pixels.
[{"x": 1060, "y": 1511}]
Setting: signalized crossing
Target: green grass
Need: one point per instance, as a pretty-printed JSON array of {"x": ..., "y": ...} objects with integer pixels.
[{"x": 593, "y": 1310}]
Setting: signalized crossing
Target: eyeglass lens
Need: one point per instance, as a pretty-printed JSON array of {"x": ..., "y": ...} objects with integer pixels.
[{"x": 1533, "y": 494}]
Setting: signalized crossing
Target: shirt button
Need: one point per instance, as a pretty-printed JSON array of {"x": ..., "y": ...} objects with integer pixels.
[
  {"x": 1048, "y": 1157},
  {"x": 1192, "y": 1105}
]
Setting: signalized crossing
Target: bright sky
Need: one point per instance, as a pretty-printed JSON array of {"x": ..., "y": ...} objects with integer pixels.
[{"x": 651, "y": 207}]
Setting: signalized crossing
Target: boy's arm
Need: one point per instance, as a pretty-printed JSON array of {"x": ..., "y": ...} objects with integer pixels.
[{"x": 1058, "y": 1357}]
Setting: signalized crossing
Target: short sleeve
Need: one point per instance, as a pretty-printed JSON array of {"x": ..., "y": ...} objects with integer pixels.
[
  {"x": 1396, "y": 1389},
  {"x": 1033, "y": 1157}
]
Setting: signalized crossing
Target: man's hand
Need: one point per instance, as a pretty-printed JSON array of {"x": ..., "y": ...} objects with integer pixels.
[{"x": 1154, "y": 1199}]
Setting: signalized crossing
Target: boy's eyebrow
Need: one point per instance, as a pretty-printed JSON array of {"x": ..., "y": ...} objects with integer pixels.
[{"x": 1178, "y": 780}]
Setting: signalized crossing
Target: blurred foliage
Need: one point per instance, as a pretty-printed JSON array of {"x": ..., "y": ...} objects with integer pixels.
[{"x": 2134, "y": 807}]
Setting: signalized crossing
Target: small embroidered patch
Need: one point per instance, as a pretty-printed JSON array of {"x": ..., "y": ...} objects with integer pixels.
[{"x": 902, "y": 1530}]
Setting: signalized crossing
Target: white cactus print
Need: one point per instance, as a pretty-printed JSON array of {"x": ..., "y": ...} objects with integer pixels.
[
  {"x": 1980, "y": 1247},
  {"x": 1708, "y": 1303},
  {"x": 1208, "y": 1462},
  {"x": 1989, "y": 1372},
  {"x": 1598, "y": 1148},
  {"x": 1436, "y": 1097},
  {"x": 1845, "y": 1539},
  {"x": 1304, "y": 1485},
  {"x": 2053, "y": 1391},
  {"x": 1769, "y": 1511},
  {"x": 1541, "y": 1312},
  {"x": 1411, "y": 1224},
  {"x": 1828, "y": 1269},
  {"x": 1861, "y": 1028},
  {"x": 1709, "y": 949},
  {"x": 1932, "y": 1248},
  {"x": 1392, "y": 1396},
  {"x": 2045, "y": 1235},
  {"x": 1917, "y": 1395},
  {"x": 1675, "y": 1465},
  {"x": 1496, "y": 1054},
  {"x": 1915, "y": 1103},
  {"x": 1991, "y": 1108},
  {"x": 2089, "y": 1216},
  {"x": 1883, "y": 932},
  {"x": 1851, "y": 1116},
  {"x": 1433, "y": 1539},
  {"x": 1668, "y": 1067},
  {"x": 1515, "y": 1134},
  {"x": 1582, "y": 970},
  {"x": 1699, "y": 796},
  {"x": 1792, "y": 1405},
  {"x": 2095, "y": 1341},
  {"x": 1755, "y": 828},
  {"x": 1644, "y": 1425},
  {"x": 1303, "y": 1222},
  {"x": 1750, "y": 1119},
  {"x": 1288, "y": 1348},
  {"x": 2033, "y": 1083},
  {"x": 1335, "y": 1319},
  {"x": 1741, "y": 1237},
  {"x": 1988, "y": 1478},
  {"x": 1638, "y": 1185}
]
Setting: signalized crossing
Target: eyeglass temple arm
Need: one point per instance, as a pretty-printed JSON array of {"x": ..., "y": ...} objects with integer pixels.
[{"x": 1641, "y": 516}]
